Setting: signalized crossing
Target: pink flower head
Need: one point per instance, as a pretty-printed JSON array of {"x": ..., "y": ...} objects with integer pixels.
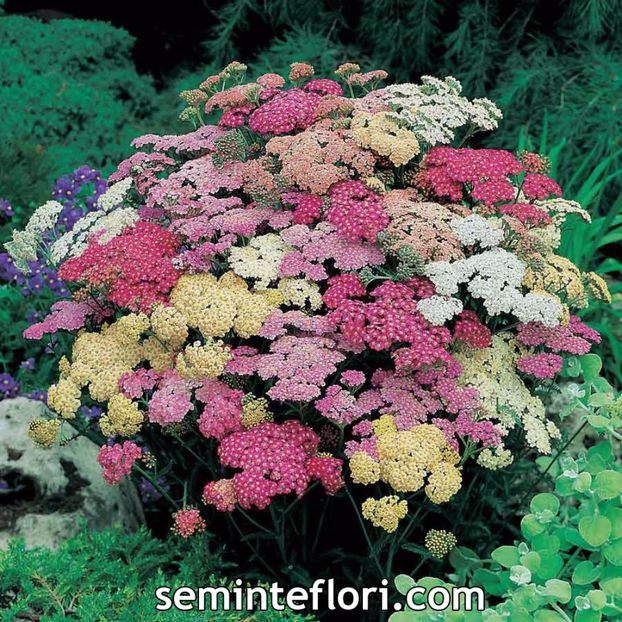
[
  {"x": 274, "y": 459},
  {"x": 65, "y": 315},
  {"x": 117, "y": 460},
  {"x": 220, "y": 494},
  {"x": 542, "y": 366},
  {"x": 202, "y": 139},
  {"x": 470, "y": 329},
  {"x": 339, "y": 405},
  {"x": 222, "y": 410},
  {"x": 527, "y": 213},
  {"x": 307, "y": 207},
  {"x": 133, "y": 384},
  {"x": 271, "y": 80},
  {"x": 328, "y": 471},
  {"x": 171, "y": 401},
  {"x": 352, "y": 378},
  {"x": 323, "y": 86},
  {"x": 356, "y": 211},
  {"x": 538, "y": 186},
  {"x": 464, "y": 427},
  {"x": 300, "y": 365},
  {"x": 575, "y": 338},
  {"x": 135, "y": 268},
  {"x": 285, "y": 112},
  {"x": 188, "y": 522},
  {"x": 447, "y": 171}
]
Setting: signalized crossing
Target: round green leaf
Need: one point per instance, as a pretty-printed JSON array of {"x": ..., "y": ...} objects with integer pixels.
[
  {"x": 595, "y": 530},
  {"x": 613, "y": 552},
  {"x": 550, "y": 565},
  {"x": 598, "y": 599},
  {"x": 404, "y": 583},
  {"x": 557, "y": 590},
  {"x": 544, "y": 501},
  {"x": 585, "y": 573},
  {"x": 507, "y": 556},
  {"x": 583, "y": 482},
  {"x": 615, "y": 516},
  {"x": 608, "y": 484},
  {"x": 590, "y": 366},
  {"x": 531, "y": 560},
  {"x": 530, "y": 526}
]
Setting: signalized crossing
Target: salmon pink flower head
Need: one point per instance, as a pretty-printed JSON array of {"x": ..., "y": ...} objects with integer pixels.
[
  {"x": 117, "y": 460},
  {"x": 187, "y": 522}
]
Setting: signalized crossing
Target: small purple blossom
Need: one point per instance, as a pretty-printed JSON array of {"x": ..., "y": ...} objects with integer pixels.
[
  {"x": 5, "y": 209},
  {"x": 91, "y": 412},
  {"x": 28, "y": 364},
  {"x": 38, "y": 396},
  {"x": 9, "y": 387}
]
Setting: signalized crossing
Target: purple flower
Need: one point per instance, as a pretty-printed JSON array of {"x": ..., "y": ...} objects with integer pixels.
[
  {"x": 91, "y": 412},
  {"x": 5, "y": 209},
  {"x": 28, "y": 364},
  {"x": 9, "y": 387},
  {"x": 39, "y": 396},
  {"x": 148, "y": 492}
]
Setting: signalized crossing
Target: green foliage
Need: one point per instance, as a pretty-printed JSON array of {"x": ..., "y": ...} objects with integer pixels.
[
  {"x": 69, "y": 95},
  {"x": 112, "y": 576},
  {"x": 568, "y": 565}
]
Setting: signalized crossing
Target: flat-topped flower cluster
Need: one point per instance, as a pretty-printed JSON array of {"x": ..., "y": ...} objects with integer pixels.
[{"x": 325, "y": 285}]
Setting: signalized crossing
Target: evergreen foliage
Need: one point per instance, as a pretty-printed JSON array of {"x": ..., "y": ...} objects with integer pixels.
[{"x": 69, "y": 94}]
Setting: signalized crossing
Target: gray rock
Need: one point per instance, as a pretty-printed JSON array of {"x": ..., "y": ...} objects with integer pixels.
[{"x": 46, "y": 492}]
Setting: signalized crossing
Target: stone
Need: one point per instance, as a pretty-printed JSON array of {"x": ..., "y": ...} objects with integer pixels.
[{"x": 45, "y": 494}]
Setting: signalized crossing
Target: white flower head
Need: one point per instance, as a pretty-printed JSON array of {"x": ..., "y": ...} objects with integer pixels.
[
  {"x": 44, "y": 217},
  {"x": 474, "y": 229},
  {"x": 115, "y": 194},
  {"x": 435, "y": 109},
  {"x": 439, "y": 309}
]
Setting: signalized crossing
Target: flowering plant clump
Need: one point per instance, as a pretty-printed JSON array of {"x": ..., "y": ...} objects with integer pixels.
[
  {"x": 28, "y": 291},
  {"x": 320, "y": 288}
]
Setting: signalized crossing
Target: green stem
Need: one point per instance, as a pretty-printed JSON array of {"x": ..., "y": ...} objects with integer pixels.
[{"x": 372, "y": 550}]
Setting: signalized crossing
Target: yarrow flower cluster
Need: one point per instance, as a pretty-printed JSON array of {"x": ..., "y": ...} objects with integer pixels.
[{"x": 319, "y": 287}]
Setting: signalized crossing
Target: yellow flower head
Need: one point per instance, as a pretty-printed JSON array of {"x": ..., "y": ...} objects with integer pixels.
[
  {"x": 203, "y": 360},
  {"x": 254, "y": 411},
  {"x": 64, "y": 398},
  {"x": 597, "y": 287},
  {"x": 364, "y": 469},
  {"x": 44, "y": 432},
  {"x": 386, "y": 512},
  {"x": 440, "y": 542},
  {"x": 123, "y": 417},
  {"x": 169, "y": 326},
  {"x": 382, "y": 133},
  {"x": 560, "y": 277}
]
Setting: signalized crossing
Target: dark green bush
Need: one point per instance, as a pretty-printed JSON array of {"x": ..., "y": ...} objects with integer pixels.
[
  {"x": 69, "y": 95},
  {"x": 112, "y": 577}
]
